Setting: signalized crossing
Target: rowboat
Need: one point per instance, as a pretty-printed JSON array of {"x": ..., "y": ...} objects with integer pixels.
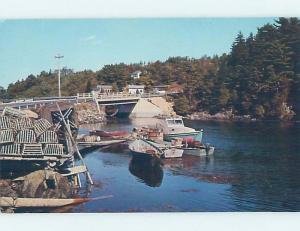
[
  {"x": 149, "y": 149},
  {"x": 42, "y": 202},
  {"x": 141, "y": 148}
]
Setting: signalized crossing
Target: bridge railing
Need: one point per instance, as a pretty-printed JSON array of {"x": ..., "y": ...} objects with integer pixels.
[
  {"x": 117, "y": 95},
  {"x": 85, "y": 95}
]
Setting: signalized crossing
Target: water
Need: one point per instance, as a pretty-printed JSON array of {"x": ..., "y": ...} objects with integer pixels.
[{"x": 256, "y": 167}]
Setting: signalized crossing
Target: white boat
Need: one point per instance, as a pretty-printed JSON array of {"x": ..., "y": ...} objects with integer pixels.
[
  {"x": 143, "y": 148},
  {"x": 199, "y": 151},
  {"x": 173, "y": 153},
  {"x": 174, "y": 128},
  {"x": 169, "y": 150}
]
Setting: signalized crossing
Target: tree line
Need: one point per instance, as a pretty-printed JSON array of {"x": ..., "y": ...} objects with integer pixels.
[{"x": 260, "y": 76}]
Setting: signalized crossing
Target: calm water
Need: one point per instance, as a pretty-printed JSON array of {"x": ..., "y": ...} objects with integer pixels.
[{"x": 256, "y": 167}]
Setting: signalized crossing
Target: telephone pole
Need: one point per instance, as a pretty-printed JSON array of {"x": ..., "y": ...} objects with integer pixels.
[{"x": 58, "y": 56}]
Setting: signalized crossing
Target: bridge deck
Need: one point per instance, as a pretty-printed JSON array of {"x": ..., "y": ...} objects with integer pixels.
[{"x": 103, "y": 99}]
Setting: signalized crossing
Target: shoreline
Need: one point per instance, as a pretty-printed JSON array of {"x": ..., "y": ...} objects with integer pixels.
[{"x": 226, "y": 117}]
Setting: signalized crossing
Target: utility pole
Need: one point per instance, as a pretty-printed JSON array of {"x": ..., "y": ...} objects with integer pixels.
[{"x": 58, "y": 56}]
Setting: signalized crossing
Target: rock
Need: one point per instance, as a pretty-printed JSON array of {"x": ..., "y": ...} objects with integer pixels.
[
  {"x": 222, "y": 116},
  {"x": 38, "y": 184},
  {"x": 87, "y": 113}
]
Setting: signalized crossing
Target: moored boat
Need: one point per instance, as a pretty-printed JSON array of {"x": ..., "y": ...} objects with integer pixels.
[
  {"x": 109, "y": 134},
  {"x": 204, "y": 150},
  {"x": 12, "y": 202},
  {"x": 141, "y": 148},
  {"x": 170, "y": 149},
  {"x": 148, "y": 149},
  {"x": 87, "y": 141},
  {"x": 174, "y": 128}
]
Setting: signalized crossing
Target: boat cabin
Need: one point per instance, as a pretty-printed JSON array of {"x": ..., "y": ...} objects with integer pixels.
[{"x": 174, "y": 122}]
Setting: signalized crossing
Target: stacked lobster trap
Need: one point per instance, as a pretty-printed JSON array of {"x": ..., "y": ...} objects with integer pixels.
[{"x": 24, "y": 138}]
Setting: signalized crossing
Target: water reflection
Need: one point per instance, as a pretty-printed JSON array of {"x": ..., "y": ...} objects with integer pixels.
[
  {"x": 256, "y": 167},
  {"x": 149, "y": 172}
]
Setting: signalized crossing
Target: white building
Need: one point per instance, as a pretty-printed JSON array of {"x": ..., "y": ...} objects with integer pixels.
[
  {"x": 104, "y": 88},
  {"x": 136, "y": 89},
  {"x": 160, "y": 89},
  {"x": 136, "y": 75}
]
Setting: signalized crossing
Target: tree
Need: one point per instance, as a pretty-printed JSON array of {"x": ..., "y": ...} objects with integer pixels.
[
  {"x": 88, "y": 86},
  {"x": 181, "y": 105}
]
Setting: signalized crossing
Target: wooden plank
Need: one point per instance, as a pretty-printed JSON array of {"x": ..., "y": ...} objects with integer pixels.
[
  {"x": 44, "y": 202},
  {"x": 100, "y": 143},
  {"x": 75, "y": 170}
]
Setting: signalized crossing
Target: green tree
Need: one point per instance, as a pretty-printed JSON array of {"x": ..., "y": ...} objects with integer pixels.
[{"x": 181, "y": 105}]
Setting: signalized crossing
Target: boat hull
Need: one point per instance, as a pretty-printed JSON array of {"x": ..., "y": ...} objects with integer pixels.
[
  {"x": 39, "y": 202},
  {"x": 142, "y": 149},
  {"x": 173, "y": 153},
  {"x": 199, "y": 151},
  {"x": 141, "y": 155},
  {"x": 186, "y": 136}
]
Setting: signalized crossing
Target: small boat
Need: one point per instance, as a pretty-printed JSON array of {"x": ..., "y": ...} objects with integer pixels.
[
  {"x": 197, "y": 148},
  {"x": 109, "y": 134},
  {"x": 38, "y": 202},
  {"x": 173, "y": 153},
  {"x": 86, "y": 141},
  {"x": 149, "y": 133},
  {"x": 174, "y": 128},
  {"x": 141, "y": 148},
  {"x": 149, "y": 149},
  {"x": 12, "y": 202},
  {"x": 205, "y": 150}
]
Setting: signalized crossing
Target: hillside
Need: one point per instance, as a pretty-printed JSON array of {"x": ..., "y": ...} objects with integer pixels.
[{"x": 259, "y": 77}]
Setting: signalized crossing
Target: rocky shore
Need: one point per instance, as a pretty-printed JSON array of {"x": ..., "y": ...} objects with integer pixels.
[
  {"x": 220, "y": 116},
  {"x": 88, "y": 113}
]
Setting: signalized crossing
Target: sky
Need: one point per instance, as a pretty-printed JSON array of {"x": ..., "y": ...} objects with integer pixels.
[{"x": 29, "y": 46}]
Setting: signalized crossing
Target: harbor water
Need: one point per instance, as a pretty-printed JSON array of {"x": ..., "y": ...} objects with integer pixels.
[{"x": 255, "y": 167}]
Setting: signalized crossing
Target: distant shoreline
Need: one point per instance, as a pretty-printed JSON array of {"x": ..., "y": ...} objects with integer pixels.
[{"x": 224, "y": 117}]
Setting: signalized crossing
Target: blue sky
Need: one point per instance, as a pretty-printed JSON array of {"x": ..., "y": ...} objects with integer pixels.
[{"x": 29, "y": 46}]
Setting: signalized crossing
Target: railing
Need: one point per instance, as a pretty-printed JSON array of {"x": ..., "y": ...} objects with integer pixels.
[
  {"x": 85, "y": 95},
  {"x": 35, "y": 102},
  {"x": 116, "y": 96}
]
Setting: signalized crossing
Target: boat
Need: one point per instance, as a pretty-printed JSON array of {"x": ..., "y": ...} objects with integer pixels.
[
  {"x": 109, "y": 134},
  {"x": 150, "y": 133},
  {"x": 87, "y": 141},
  {"x": 197, "y": 148},
  {"x": 170, "y": 149},
  {"x": 141, "y": 148},
  {"x": 12, "y": 202},
  {"x": 205, "y": 150},
  {"x": 148, "y": 149},
  {"x": 174, "y": 128}
]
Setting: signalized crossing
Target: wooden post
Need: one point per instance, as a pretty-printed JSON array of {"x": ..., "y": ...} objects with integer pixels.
[{"x": 76, "y": 147}]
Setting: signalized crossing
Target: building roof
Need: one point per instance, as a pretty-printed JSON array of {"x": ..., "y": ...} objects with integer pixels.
[
  {"x": 175, "y": 88},
  {"x": 161, "y": 86},
  {"x": 136, "y": 86},
  {"x": 104, "y": 86}
]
